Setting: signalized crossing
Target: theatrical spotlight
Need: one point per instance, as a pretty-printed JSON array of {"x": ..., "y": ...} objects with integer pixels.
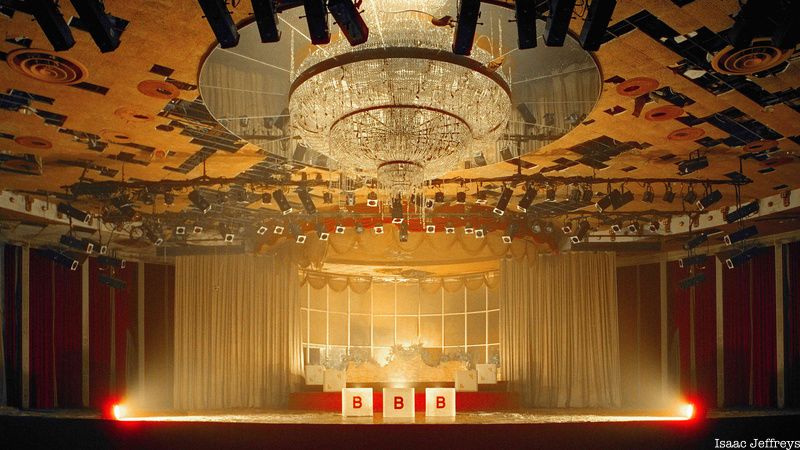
[
  {"x": 686, "y": 283},
  {"x": 266, "y": 198},
  {"x": 605, "y": 202},
  {"x": 266, "y": 14},
  {"x": 709, "y": 200},
  {"x": 124, "y": 205},
  {"x": 511, "y": 230},
  {"x": 348, "y": 18},
  {"x": 110, "y": 261},
  {"x": 480, "y": 233},
  {"x": 73, "y": 212},
  {"x": 468, "y": 228},
  {"x": 350, "y": 199},
  {"x": 114, "y": 283},
  {"x": 75, "y": 243},
  {"x": 438, "y": 197},
  {"x": 690, "y": 196},
  {"x": 449, "y": 228},
  {"x": 430, "y": 228},
  {"x": 481, "y": 200},
  {"x": 742, "y": 257},
  {"x": 403, "y": 232},
  {"x": 567, "y": 228},
  {"x": 199, "y": 202},
  {"x": 582, "y": 231},
  {"x": 180, "y": 230},
  {"x": 616, "y": 227},
  {"x": 372, "y": 199},
  {"x": 695, "y": 260},
  {"x": 63, "y": 259},
  {"x": 743, "y": 211},
  {"x": 502, "y": 202},
  {"x": 550, "y": 193},
  {"x": 278, "y": 229},
  {"x": 740, "y": 235},
  {"x": 669, "y": 194},
  {"x": 526, "y": 23},
  {"x": 653, "y": 226},
  {"x": 339, "y": 229},
  {"x": 527, "y": 199},
  {"x": 52, "y": 23},
  {"x": 648, "y": 195},
  {"x": 317, "y": 20},
  {"x": 169, "y": 198},
  {"x": 359, "y": 227},
  {"x": 461, "y": 197},
  {"x": 466, "y": 22},
  {"x": 621, "y": 199},
  {"x": 555, "y": 30},
  {"x": 596, "y": 23},
  {"x": 262, "y": 230},
  {"x": 217, "y": 15},
  {"x": 536, "y": 228},
  {"x": 197, "y": 229},
  {"x": 294, "y": 230},
  {"x": 397, "y": 210},
  {"x": 692, "y": 164},
  {"x": 306, "y": 200},
  {"x": 634, "y": 227},
  {"x": 98, "y": 23},
  {"x": 155, "y": 236},
  {"x": 378, "y": 229},
  {"x": 429, "y": 203},
  {"x": 587, "y": 193},
  {"x": 327, "y": 197},
  {"x": 283, "y": 202}
]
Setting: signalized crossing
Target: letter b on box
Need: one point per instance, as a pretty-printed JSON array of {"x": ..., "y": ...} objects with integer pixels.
[
  {"x": 440, "y": 402},
  {"x": 398, "y": 402},
  {"x": 356, "y": 402}
]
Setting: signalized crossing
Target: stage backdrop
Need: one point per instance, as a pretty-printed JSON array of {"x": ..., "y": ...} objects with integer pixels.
[
  {"x": 237, "y": 331},
  {"x": 559, "y": 341}
]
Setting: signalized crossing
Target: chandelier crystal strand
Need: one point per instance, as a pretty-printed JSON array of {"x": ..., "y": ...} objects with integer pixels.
[{"x": 404, "y": 108}]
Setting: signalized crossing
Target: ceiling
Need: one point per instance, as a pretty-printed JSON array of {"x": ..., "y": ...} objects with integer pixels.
[{"x": 135, "y": 115}]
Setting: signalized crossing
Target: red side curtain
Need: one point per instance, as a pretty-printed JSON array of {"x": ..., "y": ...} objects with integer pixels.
[
  {"x": 12, "y": 321},
  {"x": 99, "y": 336},
  {"x": 705, "y": 335},
  {"x": 42, "y": 323},
  {"x": 679, "y": 323},
  {"x": 125, "y": 325},
  {"x": 159, "y": 322},
  {"x": 736, "y": 334},
  {"x": 764, "y": 365},
  {"x": 791, "y": 283},
  {"x": 67, "y": 334}
]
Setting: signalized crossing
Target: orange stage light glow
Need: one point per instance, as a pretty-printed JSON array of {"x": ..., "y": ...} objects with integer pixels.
[{"x": 119, "y": 411}]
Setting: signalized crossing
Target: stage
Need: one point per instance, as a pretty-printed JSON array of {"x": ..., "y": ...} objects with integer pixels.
[{"x": 302, "y": 429}]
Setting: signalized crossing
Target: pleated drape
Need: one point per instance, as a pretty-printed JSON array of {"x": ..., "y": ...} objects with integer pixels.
[
  {"x": 237, "y": 331},
  {"x": 559, "y": 342}
]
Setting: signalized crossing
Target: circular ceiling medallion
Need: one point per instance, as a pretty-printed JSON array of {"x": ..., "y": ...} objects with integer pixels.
[
  {"x": 636, "y": 86},
  {"x": 33, "y": 142},
  {"x": 686, "y": 134},
  {"x": 47, "y": 66},
  {"x": 117, "y": 137},
  {"x": 662, "y": 113},
  {"x": 758, "y": 146},
  {"x": 133, "y": 114},
  {"x": 760, "y": 56},
  {"x": 158, "y": 89}
]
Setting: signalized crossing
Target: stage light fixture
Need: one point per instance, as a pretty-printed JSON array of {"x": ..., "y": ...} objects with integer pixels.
[
  {"x": 306, "y": 200},
  {"x": 199, "y": 202},
  {"x": 114, "y": 283},
  {"x": 740, "y": 235},
  {"x": 653, "y": 226},
  {"x": 567, "y": 228},
  {"x": 322, "y": 232},
  {"x": 350, "y": 199},
  {"x": 604, "y": 203},
  {"x": 648, "y": 195},
  {"x": 295, "y": 231},
  {"x": 669, "y": 194},
  {"x": 693, "y": 164},
  {"x": 555, "y": 30},
  {"x": 229, "y": 238},
  {"x": 266, "y": 14},
  {"x": 449, "y": 228},
  {"x": 197, "y": 229},
  {"x": 52, "y": 23},
  {"x": 694, "y": 260},
  {"x": 169, "y": 198},
  {"x": 98, "y": 23},
  {"x": 378, "y": 229},
  {"x": 180, "y": 230},
  {"x": 466, "y": 22},
  {"x": 327, "y": 197},
  {"x": 438, "y": 197},
  {"x": 742, "y": 257},
  {"x": 217, "y": 15},
  {"x": 262, "y": 230},
  {"x": 511, "y": 231},
  {"x": 526, "y": 23},
  {"x": 461, "y": 197},
  {"x": 154, "y": 236},
  {"x": 124, "y": 205},
  {"x": 468, "y": 228},
  {"x": 581, "y": 232},
  {"x": 596, "y": 23},
  {"x": 527, "y": 199},
  {"x": 550, "y": 193},
  {"x": 743, "y": 211},
  {"x": 686, "y": 283},
  {"x": 75, "y": 243},
  {"x": 403, "y": 232},
  {"x": 278, "y": 229},
  {"x": 536, "y": 227},
  {"x": 359, "y": 228},
  {"x": 480, "y": 233},
  {"x": 317, "y": 20},
  {"x": 430, "y": 228},
  {"x": 616, "y": 227},
  {"x": 282, "y": 201},
  {"x": 690, "y": 196},
  {"x": 709, "y": 200},
  {"x": 339, "y": 229},
  {"x": 111, "y": 261},
  {"x": 62, "y": 259},
  {"x": 548, "y": 227},
  {"x": 587, "y": 194},
  {"x": 266, "y": 198},
  {"x": 634, "y": 227},
  {"x": 481, "y": 200},
  {"x": 502, "y": 202},
  {"x": 372, "y": 199},
  {"x": 574, "y": 195},
  {"x": 429, "y": 203},
  {"x": 620, "y": 199},
  {"x": 348, "y": 18},
  {"x": 75, "y": 213},
  {"x": 397, "y": 210}
]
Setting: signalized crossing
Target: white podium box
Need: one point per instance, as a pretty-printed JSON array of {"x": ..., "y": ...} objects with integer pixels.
[
  {"x": 487, "y": 373},
  {"x": 466, "y": 380},
  {"x": 440, "y": 402},
  {"x": 356, "y": 402},
  {"x": 398, "y": 402},
  {"x": 333, "y": 380},
  {"x": 315, "y": 375}
]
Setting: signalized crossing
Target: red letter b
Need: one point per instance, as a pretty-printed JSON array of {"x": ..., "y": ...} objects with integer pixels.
[
  {"x": 356, "y": 402},
  {"x": 439, "y": 402},
  {"x": 398, "y": 403}
]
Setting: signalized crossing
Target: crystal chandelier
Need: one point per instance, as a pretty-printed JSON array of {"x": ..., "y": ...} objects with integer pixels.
[{"x": 401, "y": 107}]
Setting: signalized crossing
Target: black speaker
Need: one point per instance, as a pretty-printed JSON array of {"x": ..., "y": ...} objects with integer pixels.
[
  {"x": 555, "y": 30},
  {"x": 217, "y": 15},
  {"x": 266, "y": 15},
  {"x": 317, "y": 20},
  {"x": 526, "y": 23},
  {"x": 466, "y": 23},
  {"x": 596, "y": 23},
  {"x": 52, "y": 23},
  {"x": 94, "y": 18}
]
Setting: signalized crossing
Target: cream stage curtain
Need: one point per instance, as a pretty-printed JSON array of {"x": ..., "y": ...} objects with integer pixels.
[
  {"x": 559, "y": 343},
  {"x": 237, "y": 331}
]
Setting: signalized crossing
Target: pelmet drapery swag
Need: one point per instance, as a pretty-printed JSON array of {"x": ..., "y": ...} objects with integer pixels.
[
  {"x": 559, "y": 344},
  {"x": 237, "y": 331}
]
